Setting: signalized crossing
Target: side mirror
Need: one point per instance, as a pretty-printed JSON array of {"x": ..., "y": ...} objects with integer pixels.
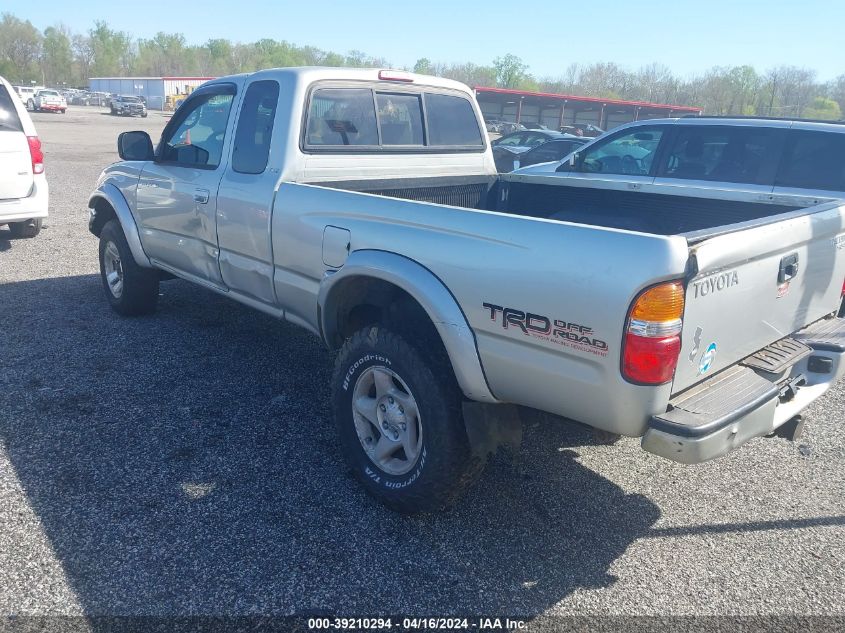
[{"x": 135, "y": 146}]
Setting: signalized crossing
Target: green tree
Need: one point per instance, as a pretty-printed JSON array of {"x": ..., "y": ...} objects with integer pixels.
[
  {"x": 424, "y": 66},
  {"x": 111, "y": 51},
  {"x": 165, "y": 54},
  {"x": 510, "y": 71},
  {"x": 823, "y": 108},
  {"x": 20, "y": 49},
  {"x": 220, "y": 53},
  {"x": 83, "y": 56},
  {"x": 57, "y": 56}
]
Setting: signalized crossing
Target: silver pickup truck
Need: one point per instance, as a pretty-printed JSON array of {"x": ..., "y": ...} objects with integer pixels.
[{"x": 364, "y": 205}]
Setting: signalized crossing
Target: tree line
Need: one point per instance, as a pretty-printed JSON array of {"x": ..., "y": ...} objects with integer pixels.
[{"x": 57, "y": 56}]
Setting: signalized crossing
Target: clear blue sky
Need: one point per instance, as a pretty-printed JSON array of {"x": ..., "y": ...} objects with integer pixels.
[{"x": 686, "y": 36}]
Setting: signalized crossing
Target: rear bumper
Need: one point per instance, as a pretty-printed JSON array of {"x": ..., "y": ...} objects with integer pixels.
[
  {"x": 31, "y": 207},
  {"x": 740, "y": 404}
]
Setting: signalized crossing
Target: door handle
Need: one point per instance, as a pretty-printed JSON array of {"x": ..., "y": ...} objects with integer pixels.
[
  {"x": 788, "y": 268},
  {"x": 201, "y": 196}
]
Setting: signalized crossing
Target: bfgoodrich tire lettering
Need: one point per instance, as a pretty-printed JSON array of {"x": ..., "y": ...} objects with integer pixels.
[{"x": 443, "y": 466}]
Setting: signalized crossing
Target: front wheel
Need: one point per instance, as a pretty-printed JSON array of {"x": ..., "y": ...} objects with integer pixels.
[
  {"x": 30, "y": 105},
  {"x": 398, "y": 417},
  {"x": 130, "y": 289}
]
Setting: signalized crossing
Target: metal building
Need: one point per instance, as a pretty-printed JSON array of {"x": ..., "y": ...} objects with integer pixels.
[
  {"x": 556, "y": 110},
  {"x": 155, "y": 90}
]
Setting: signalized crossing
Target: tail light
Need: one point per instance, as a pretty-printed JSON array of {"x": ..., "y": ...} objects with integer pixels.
[
  {"x": 653, "y": 335},
  {"x": 36, "y": 154}
]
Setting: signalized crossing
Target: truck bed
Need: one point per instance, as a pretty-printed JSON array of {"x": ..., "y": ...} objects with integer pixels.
[
  {"x": 658, "y": 214},
  {"x": 696, "y": 218}
]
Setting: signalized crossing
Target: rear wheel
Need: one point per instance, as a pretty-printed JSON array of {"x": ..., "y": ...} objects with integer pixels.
[
  {"x": 398, "y": 416},
  {"x": 30, "y": 105},
  {"x": 27, "y": 228},
  {"x": 130, "y": 289}
]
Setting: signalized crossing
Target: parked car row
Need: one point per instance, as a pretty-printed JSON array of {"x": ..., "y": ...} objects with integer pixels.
[
  {"x": 529, "y": 147},
  {"x": 497, "y": 126},
  {"x": 29, "y": 96}
]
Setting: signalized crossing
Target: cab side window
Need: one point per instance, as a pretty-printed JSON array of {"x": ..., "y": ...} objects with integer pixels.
[
  {"x": 631, "y": 153},
  {"x": 197, "y": 137},
  {"x": 255, "y": 128},
  {"x": 814, "y": 160},
  {"x": 722, "y": 153}
]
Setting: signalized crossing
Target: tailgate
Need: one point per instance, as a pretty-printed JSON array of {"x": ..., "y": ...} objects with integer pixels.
[
  {"x": 15, "y": 165},
  {"x": 755, "y": 286}
]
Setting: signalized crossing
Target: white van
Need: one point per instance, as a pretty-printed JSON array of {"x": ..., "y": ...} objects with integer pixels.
[
  {"x": 27, "y": 95},
  {"x": 23, "y": 185}
]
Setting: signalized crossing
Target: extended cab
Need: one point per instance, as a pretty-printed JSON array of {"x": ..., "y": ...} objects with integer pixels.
[{"x": 365, "y": 206}]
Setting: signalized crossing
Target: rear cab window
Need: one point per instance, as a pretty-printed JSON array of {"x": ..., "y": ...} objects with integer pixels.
[
  {"x": 9, "y": 119},
  {"x": 385, "y": 118}
]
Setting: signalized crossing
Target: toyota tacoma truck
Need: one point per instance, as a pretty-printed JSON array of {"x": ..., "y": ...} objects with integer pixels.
[{"x": 364, "y": 206}]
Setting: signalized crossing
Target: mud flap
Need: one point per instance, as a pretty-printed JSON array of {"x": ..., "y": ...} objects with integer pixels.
[{"x": 490, "y": 426}]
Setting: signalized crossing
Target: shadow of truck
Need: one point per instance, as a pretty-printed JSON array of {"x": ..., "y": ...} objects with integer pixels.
[{"x": 185, "y": 463}]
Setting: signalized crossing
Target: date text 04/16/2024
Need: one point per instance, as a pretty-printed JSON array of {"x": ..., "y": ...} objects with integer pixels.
[{"x": 417, "y": 624}]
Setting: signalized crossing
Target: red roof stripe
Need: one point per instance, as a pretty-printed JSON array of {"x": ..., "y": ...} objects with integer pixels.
[{"x": 551, "y": 95}]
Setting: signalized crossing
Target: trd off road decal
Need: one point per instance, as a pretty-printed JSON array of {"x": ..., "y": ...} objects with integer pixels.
[{"x": 573, "y": 335}]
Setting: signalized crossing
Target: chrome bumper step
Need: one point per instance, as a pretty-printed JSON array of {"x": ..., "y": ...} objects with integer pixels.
[{"x": 715, "y": 403}]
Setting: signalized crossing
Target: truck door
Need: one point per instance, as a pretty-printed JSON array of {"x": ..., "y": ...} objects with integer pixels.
[
  {"x": 705, "y": 159},
  {"x": 245, "y": 199},
  {"x": 177, "y": 193}
]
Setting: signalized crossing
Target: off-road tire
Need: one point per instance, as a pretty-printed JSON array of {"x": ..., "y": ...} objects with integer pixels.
[
  {"x": 446, "y": 466},
  {"x": 139, "y": 291},
  {"x": 25, "y": 229}
]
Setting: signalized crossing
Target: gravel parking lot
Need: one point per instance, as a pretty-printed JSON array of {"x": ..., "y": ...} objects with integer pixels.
[{"x": 185, "y": 464}]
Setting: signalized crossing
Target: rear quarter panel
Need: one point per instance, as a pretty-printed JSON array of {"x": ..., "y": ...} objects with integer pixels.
[{"x": 582, "y": 278}]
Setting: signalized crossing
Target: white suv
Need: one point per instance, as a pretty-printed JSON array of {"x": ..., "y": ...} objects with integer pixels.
[{"x": 23, "y": 185}]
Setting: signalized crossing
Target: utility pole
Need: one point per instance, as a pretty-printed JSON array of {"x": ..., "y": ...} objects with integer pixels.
[{"x": 772, "y": 99}]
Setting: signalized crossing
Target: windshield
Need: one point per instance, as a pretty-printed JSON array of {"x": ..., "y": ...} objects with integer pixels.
[{"x": 130, "y": 99}]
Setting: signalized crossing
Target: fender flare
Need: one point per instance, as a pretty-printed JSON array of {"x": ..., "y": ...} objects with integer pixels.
[
  {"x": 115, "y": 199},
  {"x": 434, "y": 297}
]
